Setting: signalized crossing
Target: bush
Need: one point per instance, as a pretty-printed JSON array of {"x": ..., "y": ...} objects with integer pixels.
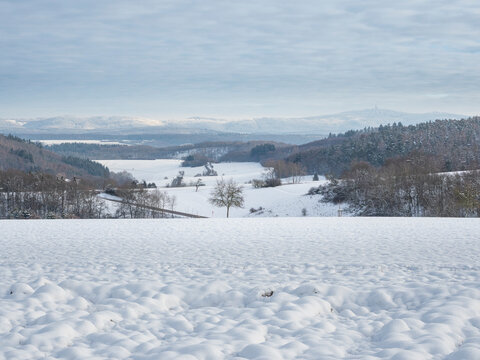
[
  {"x": 253, "y": 210},
  {"x": 269, "y": 182},
  {"x": 110, "y": 191},
  {"x": 258, "y": 183},
  {"x": 273, "y": 182},
  {"x": 178, "y": 180}
]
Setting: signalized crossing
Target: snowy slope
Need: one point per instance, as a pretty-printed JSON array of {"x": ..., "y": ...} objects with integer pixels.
[
  {"x": 303, "y": 288},
  {"x": 157, "y": 170},
  {"x": 69, "y": 141},
  {"x": 286, "y": 200}
]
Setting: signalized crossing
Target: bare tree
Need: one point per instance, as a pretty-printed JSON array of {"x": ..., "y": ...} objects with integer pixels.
[
  {"x": 227, "y": 194},
  {"x": 178, "y": 180},
  {"x": 280, "y": 169},
  {"x": 198, "y": 184}
]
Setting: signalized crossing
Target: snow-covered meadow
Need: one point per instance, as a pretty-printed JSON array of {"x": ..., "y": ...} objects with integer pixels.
[
  {"x": 277, "y": 288},
  {"x": 286, "y": 200},
  {"x": 162, "y": 171},
  {"x": 99, "y": 142}
]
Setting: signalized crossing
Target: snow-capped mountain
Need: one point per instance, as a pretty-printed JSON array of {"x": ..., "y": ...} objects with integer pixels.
[
  {"x": 266, "y": 125},
  {"x": 84, "y": 123}
]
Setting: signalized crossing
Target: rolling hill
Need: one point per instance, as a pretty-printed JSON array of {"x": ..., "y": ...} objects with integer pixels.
[{"x": 23, "y": 155}]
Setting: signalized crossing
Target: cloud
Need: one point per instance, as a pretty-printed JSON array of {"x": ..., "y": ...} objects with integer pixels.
[{"x": 168, "y": 56}]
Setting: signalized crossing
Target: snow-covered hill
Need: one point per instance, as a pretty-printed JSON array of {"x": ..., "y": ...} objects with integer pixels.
[
  {"x": 285, "y": 200},
  {"x": 267, "y": 125},
  {"x": 303, "y": 288}
]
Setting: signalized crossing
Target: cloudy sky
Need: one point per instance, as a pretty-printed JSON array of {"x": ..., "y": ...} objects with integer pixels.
[{"x": 223, "y": 58}]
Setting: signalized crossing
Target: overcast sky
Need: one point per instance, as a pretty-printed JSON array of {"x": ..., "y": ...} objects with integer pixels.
[{"x": 234, "y": 59}]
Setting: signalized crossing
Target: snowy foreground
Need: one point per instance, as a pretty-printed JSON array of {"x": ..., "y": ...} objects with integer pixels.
[{"x": 272, "y": 288}]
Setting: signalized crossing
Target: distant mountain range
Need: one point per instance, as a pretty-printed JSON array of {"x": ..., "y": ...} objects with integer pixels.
[{"x": 321, "y": 125}]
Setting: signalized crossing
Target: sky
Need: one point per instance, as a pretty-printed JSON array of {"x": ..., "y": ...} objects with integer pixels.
[{"x": 233, "y": 59}]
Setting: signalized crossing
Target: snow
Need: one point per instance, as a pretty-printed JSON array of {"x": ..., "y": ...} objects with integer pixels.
[
  {"x": 99, "y": 142},
  {"x": 322, "y": 124},
  {"x": 156, "y": 170},
  {"x": 106, "y": 196},
  {"x": 262, "y": 288},
  {"x": 286, "y": 200}
]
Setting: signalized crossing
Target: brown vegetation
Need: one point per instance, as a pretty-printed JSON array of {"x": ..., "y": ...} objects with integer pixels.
[
  {"x": 406, "y": 186},
  {"x": 19, "y": 154}
]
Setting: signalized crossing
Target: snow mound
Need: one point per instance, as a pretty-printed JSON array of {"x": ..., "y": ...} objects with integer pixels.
[{"x": 297, "y": 288}]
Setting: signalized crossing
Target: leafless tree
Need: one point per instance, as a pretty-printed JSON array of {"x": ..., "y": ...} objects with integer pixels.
[
  {"x": 227, "y": 194},
  {"x": 281, "y": 169},
  {"x": 198, "y": 184}
]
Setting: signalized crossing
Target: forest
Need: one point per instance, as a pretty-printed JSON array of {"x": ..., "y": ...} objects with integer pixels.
[
  {"x": 411, "y": 185},
  {"x": 211, "y": 151},
  {"x": 454, "y": 143},
  {"x": 27, "y": 156}
]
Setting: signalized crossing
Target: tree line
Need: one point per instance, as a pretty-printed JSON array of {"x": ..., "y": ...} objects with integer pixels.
[
  {"x": 412, "y": 185},
  {"x": 36, "y": 195},
  {"x": 456, "y": 143},
  {"x": 139, "y": 201},
  {"x": 42, "y": 195},
  {"x": 24, "y": 155}
]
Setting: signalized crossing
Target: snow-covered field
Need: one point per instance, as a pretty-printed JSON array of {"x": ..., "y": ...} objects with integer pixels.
[
  {"x": 66, "y": 141},
  {"x": 277, "y": 288},
  {"x": 286, "y": 200},
  {"x": 157, "y": 170}
]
